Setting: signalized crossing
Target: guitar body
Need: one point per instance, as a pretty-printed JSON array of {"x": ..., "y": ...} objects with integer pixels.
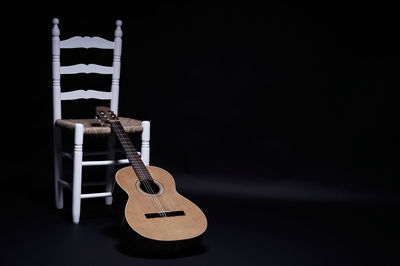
[
  {"x": 157, "y": 219},
  {"x": 144, "y": 229}
]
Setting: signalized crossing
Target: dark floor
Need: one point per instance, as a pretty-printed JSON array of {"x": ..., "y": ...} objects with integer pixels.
[{"x": 242, "y": 231}]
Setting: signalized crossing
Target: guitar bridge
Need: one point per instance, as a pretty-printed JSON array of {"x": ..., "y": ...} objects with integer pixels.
[{"x": 164, "y": 214}]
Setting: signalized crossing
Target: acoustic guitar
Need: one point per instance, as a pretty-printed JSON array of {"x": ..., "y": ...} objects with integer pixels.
[{"x": 157, "y": 219}]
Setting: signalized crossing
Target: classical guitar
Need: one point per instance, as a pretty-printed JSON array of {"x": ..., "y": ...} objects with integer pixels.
[{"x": 157, "y": 219}]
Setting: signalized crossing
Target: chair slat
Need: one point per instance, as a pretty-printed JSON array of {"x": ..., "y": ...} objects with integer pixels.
[
  {"x": 82, "y": 68},
  {"x": 85, "y": 94},
  {"x": 87, "y": 42}
]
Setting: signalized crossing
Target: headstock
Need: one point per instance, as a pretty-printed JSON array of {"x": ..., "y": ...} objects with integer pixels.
[{"x": 105, "y": 115}]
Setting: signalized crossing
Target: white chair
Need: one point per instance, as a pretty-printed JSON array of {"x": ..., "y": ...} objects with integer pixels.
[{"x": 83, "y": 127}]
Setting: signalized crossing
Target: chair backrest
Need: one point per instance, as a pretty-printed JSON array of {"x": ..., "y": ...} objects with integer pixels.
[{"x": 85, "y": 42}]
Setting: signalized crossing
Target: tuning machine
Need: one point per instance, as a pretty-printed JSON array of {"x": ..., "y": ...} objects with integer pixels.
[{"x": 99, "y": 119}]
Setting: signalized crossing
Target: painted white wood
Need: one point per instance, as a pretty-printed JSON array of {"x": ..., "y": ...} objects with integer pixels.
[
  {"x": 104, "y": 162},
  {"x": 116, "y": 67},
  {"x": 86, "y": 42},
  {"x": 77, "y": 173},
  {"x": 67, "y": 155},
  {"x": 56, "y": 70},
  {"x": 145, "y": 149},
  {"x": 57, "y": 146},
  {"x": 82, "y": 68},
  {"x": 112, "y": 95},
  {"x": 85, "y": 94},
  {"x": 65, "y": 184},
  {"x": 96, "y": 195}
]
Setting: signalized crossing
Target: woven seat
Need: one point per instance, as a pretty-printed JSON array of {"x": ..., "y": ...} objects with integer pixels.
[{"x": 93, "y": 127}]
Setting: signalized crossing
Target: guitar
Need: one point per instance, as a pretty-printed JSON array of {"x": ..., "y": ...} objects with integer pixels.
[{"x": 157, "y": 219}]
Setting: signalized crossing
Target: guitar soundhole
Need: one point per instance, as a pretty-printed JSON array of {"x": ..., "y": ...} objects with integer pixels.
[{"x": 150, "y": 187}]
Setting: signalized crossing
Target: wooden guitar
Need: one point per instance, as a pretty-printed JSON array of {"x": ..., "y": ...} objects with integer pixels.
[{"x": 157, "y": 219}]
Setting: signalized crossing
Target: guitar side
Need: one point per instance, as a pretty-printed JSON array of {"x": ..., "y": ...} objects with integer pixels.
[{"x": 142, "y": 227}]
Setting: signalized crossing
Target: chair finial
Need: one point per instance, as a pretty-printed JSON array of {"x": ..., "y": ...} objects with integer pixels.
[
  {"x": 55, "y": 30},
  {"x": 118, "y": 30}
]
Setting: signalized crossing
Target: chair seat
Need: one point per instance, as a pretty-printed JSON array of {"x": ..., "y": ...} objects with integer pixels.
[{"x": 93, "y": 127}]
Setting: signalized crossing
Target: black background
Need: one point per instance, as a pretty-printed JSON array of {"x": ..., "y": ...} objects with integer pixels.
[{"x": 284, "y": 103}]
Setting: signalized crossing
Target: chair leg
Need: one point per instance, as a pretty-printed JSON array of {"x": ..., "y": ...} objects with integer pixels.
[
  {"x": 110, "y": 172},
  {"x": 77, "y": 173},
  {"x": 145, "y": 149},
  {"x": 58, "y": 189}
]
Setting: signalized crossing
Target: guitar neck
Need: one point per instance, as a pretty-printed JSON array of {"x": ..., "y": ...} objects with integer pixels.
[{"x": 130, "y": 151}]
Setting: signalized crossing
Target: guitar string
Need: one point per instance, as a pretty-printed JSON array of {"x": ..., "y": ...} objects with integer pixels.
[
  {"x": 149, "y": 188},
  {"x": 140, "y": 172},
  {"x": 153, "y": 196},
  {"x": 123, "y": 138},
  {"x": 124, "y": 142},
  {"x": 155, "y": 201}
]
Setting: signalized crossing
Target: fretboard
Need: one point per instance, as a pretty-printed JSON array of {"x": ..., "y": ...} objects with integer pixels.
[{"x": 130, "y": 151}]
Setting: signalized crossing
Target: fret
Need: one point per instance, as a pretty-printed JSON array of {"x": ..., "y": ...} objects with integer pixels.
[{"x": 130, "y": 151}]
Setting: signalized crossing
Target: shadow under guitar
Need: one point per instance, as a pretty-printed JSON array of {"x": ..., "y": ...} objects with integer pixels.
[
  {"x": 135, "y": 245},
  {"x": 146, "y": 248}
]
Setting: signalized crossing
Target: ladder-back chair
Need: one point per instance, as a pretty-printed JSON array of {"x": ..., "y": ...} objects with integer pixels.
[{"x": 83, "y": 127}]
